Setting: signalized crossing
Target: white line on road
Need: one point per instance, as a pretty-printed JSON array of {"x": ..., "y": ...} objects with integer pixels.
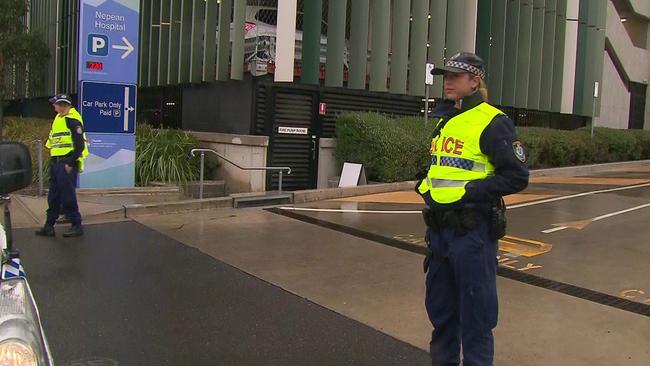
[
  {"x": 347, "y": 211},
  {"x": 548, "y": 231},
  {"x": 554, "y": 199},
  {"x": 527, "y": 204},
  {"x": 598, "y": 218}
]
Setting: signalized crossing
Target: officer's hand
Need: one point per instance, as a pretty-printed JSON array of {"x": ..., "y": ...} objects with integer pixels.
[{"x": 68, "y": 169}]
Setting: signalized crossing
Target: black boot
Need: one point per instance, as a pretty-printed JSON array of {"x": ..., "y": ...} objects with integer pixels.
[
  {"x": 46, "y": 230},
  {"x": 74, "y": 231}
]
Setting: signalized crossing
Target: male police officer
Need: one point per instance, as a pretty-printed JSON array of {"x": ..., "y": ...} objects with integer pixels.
[{"x": 67, "y": 144}]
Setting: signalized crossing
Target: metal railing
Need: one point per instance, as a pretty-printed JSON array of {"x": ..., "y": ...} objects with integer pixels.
[{"x": 193, "y": 152}]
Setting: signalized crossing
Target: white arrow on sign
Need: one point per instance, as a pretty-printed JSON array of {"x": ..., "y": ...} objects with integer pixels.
[{"x": 127, "y": 46}]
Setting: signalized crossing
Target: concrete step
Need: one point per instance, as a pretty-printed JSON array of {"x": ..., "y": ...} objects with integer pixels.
[
  {"x": 211, "y": 189},
  {"x": 257, "y": 200}
]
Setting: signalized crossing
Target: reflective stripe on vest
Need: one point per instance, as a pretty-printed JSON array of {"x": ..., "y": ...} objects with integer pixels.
[{"x": 457, "y": 158}]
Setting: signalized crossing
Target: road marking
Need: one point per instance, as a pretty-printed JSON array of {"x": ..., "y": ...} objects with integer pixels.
[
  {"x": 562, "y": 198},
  {"x": 548, "y": 231},
  {"x": 523, "y": 247},
  {"x": 581, "y": 224},
  {"x": 339, "y": 210}
]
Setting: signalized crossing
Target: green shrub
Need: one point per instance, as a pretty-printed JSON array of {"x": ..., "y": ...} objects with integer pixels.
[
  {"x": 163, "y": 156},
  {"x": 389, "y": 149},
  {"x": 397, "y": 149}
]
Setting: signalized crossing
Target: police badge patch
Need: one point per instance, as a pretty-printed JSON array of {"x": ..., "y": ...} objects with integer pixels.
[
  {"x": 79, "y": 130},
  {"x": 519, "y": 151}
]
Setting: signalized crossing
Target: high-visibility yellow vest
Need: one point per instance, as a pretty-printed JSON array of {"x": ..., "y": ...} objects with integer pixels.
[
  {"x": 60, "y": 141},
  {"x": 456, "y": 156}
]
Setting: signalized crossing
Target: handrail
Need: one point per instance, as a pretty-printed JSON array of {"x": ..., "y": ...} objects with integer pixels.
[{"x": 193, "y": 152}]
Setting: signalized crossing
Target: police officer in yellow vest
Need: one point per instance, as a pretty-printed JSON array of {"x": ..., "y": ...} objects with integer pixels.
[
  {"x": 476, "y": 159},
  {"x": 68, "y": 148}
]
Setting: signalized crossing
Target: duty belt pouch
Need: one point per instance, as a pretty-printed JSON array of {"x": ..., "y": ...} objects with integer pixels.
[{"x": 499, "y": 222}]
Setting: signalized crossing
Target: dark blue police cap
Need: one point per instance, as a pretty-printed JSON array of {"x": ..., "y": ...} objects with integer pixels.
[
  {"x": 61, "y": 98},
  {"x": 462, "y": 62}
]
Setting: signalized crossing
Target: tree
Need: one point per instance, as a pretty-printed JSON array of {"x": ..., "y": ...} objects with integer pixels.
[{"x": 23, "y": 54}]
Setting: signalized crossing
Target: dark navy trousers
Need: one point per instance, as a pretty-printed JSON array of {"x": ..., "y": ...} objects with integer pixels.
[
  {"x": 62, "y": 197},
  {"x": 461, "y": 295}
]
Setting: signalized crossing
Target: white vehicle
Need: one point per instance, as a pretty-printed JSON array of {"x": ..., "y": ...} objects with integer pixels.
[
  {"x": 22, "y": 340},
  {"x": 260, "y": 38}
]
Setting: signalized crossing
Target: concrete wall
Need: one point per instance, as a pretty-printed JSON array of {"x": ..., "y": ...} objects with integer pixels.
[
  {"x": 245, "y": 150},
  {"x": 615, "y": 98},
  {"x": 327, "y": 167}
]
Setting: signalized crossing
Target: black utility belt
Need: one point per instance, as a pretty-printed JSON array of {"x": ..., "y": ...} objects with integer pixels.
[
  {"x": 461, "y": 220},
  {"x": 465, "y": 219}
]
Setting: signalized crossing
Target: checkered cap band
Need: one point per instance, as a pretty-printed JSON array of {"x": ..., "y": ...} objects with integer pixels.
[{"x": 464, "y": 66}]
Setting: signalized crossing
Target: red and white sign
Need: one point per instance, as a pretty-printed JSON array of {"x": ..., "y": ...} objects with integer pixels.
[
  {"x": 322, "y": 108},
  {"x": 248, "y": 26}
]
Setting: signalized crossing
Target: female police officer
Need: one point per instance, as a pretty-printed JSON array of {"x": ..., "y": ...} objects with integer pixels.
[{"x": 476, "y": 159}]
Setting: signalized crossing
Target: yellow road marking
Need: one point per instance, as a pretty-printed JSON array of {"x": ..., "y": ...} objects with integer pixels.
[{"x": 523, "y": 247}]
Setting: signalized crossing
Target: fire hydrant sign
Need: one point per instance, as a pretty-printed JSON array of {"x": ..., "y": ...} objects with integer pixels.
[
  {"x": 108, "y": 41},
  {"x": 108, "y": 108}
]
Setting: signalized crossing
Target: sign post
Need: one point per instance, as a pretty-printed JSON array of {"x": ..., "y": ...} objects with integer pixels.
[
  {"x": 108, "y": 76},
  {"x": 428, "y": 81}
]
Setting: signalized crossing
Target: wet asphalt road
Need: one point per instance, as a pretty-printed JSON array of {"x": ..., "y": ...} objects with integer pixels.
[{"x": 126, "y": 295}]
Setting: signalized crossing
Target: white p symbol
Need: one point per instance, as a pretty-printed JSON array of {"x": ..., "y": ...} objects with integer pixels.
[{"x": 98, "y": 44}]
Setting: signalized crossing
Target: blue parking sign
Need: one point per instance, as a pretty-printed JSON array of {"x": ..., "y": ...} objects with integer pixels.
[
  {"x": 107, "y": 107},
  {"x": 97, "y": 45}
]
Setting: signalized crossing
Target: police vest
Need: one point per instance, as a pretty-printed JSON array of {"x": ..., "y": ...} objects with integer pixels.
[
  {"x": 60, "y": 141},
  {"x": 456, "y": 156}
]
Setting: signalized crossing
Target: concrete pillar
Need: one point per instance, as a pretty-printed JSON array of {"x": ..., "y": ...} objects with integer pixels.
[
  {"x": 209, "y": 40},
  {"x": 570, "y": 56},
  {"x": 437, "y": 35},
  {"x": 399, "y": 46},
  {"x": 196, "y": 62},
  {"x": 523, "y": 52},
  {"x": 311, "y": 42},
  {"x": 510, "y": 54},
  {"x": 418, "y": 53},
  {"x": 163, "y": 42},
  {"x": 558, "y": 56},
  {"x": 223, "y": 44},
  {"x": 335, "y": 42},
  {"x": 456, "y": 24},
  {"x": 546, "y": 82},
  {"x": 536, "y": 54},
  {"x": 471, "y": 20},
  {"x": 185, "y": 53},
  {"x": 237, "y": 62},
  {"x": 285, "y": 47},
  {"x": 359, "y": 44},
  {"x": 174, "y": 41},
  {"x": 497, "y": 51},
  {"x": 380, "y": 36}
]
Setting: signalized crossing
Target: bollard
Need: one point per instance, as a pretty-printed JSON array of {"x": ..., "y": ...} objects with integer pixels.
[
  {"x": 280, "y": 182},
  {"x": 201, "y": 175},
  {"x": 40, "y": 167}
]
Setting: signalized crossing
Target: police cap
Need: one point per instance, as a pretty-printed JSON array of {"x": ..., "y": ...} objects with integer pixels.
[
  {"x": 462, "y": 62},
  {"x": 61, "y": 98}
]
